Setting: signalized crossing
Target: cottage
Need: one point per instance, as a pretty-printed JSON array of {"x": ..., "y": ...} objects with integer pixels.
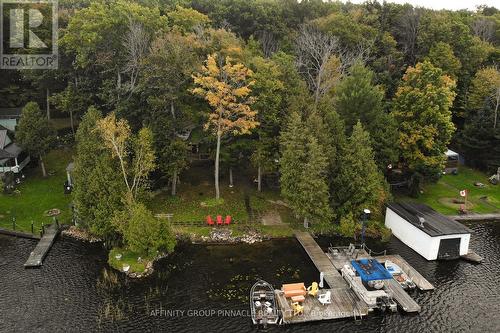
[
  {"x": 430, "y": 234},
  {"x": 9, "y": 118},
  {"x": 12, "y": 158}
]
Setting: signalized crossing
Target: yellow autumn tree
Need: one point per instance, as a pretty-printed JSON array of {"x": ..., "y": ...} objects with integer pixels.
[{"x": 226, "y": 87}]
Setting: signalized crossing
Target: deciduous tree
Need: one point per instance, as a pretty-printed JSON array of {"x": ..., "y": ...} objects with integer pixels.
[
  {"x": 422, "y": 109},
  {"x": 226, "y": 87}
]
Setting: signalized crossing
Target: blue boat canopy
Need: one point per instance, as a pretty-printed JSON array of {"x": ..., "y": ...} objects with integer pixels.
[{"x": 370, "y": 269}]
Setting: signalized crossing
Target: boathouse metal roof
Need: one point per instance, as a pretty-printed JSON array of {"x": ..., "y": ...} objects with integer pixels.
[{"x": 428, "y": 220}]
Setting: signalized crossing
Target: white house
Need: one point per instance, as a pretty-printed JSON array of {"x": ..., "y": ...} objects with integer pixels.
[
  {"x": 430, "y": 234},
  {"x": 12, "y": 157}
]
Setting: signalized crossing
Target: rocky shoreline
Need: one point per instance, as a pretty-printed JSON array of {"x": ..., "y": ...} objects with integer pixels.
[
  {"x": 225, "y": 236},
  {"x": 80, "y": 234}
]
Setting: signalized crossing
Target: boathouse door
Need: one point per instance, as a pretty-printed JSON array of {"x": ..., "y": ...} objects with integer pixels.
[{"x": 449, "y": 248}]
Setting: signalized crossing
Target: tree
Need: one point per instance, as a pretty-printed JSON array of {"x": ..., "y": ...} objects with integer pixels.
[
  {"x": 98, "y": 188},
  {"x": 422, "y": 109},
  {"x": 357, "y": 98},
  {"x": 143, "y": 232},
  {"x": 226, "y": 87},
  {"x": 34, "y": 133},
  {"x": 269, "y": 90},
  {"x": 134, "y": 152},
  {"x": 485, "y": 92},
  {"x": 358, "y": 183},
  {"x": 441, "y": 55},
  {"x": 304, "y": 168}
]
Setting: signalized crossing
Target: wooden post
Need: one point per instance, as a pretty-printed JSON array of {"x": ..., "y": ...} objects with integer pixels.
[{"x": 32, "y": 229}]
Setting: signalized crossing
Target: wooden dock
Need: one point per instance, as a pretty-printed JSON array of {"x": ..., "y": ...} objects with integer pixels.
[
  {"x": 344, "y": 305},
  {"x": 38, "y": 254},
  {"x": 472, "y": 257},
  {"x": 16, "y": 233},
  {"x": 321, "y": 260},
  {"x": 401, "y": 296},
  {"x": 476, "y": 217},
  {"x": 412, "y": 273}
]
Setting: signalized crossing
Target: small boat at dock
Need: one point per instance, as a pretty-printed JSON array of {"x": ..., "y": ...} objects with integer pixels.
[
  {"x": 263, "y": 305},
  {"x": 400, "y": 276}
]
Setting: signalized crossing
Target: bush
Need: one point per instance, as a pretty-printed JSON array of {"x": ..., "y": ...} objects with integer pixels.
[
  {"x": 349, "y": 226},
  {"x": 142, "y": 232}
]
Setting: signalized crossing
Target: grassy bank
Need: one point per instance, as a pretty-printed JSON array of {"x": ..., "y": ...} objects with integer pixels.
[
  {"x": 36, "y": 195},
  {"x": 444, "y": 195}
]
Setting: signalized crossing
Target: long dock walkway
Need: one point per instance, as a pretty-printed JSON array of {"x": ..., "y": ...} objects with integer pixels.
[
  {"x": 38, "y": 254},
  {"x": 321, "y": 260}
]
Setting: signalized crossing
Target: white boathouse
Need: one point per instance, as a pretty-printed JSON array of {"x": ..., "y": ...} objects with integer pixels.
[{"x": 430, "y": 234}]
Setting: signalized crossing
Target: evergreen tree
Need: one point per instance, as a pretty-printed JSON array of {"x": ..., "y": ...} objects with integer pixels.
[
  {"x": 304, "y": 172},
  {"x": 34, "y": 133},
  {"x": 358, "y": 98},
  {"x": 99, "y": 188},
  {"x": 358, "y": 183}
]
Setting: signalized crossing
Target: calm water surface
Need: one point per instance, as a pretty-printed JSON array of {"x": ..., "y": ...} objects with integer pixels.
[{"x": 76, "y": 291}]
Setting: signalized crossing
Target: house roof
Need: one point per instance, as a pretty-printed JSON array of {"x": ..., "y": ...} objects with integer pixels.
[
  {"x": 3, "y": 137},
  {"x": 10, "y": 112},
  {"x": 434, "y": 224},
  {"x": 11, "y": 151}
]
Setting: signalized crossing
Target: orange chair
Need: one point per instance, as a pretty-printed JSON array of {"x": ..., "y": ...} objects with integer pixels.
[
  {"x": 219, "y": 220},
  {"x": 209, "y": 220},
  {"x": 228, "y": 220}
]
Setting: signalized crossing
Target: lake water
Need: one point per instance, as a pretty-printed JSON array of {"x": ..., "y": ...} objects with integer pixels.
[{"x": 205, "y": 288}]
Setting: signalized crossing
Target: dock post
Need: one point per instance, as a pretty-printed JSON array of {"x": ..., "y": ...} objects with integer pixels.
[{"x": 32, "y": 229}]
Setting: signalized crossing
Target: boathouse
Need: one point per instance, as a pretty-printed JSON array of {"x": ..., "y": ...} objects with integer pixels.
[{"x": 430, "y": 234}]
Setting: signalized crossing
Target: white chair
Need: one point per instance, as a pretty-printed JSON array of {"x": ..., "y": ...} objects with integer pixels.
[
  {"x": 268, "y": 304},
  {"x": 325, "y": 298},
  {"x": 258, "y": 304}
]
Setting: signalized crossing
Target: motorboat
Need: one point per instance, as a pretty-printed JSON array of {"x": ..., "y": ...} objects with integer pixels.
[
  {"x": 400, "y": 276},
  {"x": 263, "y": 304}
]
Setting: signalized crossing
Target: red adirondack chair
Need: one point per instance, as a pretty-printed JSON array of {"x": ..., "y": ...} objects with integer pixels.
[
  {"x": 219, "y": 220},
  {"x": 209, "y": 220},
  {"x": 228, "y": 219}
]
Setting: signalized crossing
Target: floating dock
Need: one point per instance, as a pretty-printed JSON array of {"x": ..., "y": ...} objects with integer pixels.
[
  {"x": 412, "y": 273},
  {"x": 345, "y": 303},
  {"x": 38, "y": 254}
]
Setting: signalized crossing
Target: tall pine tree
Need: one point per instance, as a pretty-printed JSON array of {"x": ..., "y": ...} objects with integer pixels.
[{"x": 99, "y": 187}]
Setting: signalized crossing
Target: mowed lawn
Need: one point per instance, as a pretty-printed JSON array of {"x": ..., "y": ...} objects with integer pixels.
[
  {"x": 443, "y": 195},
  {"x": 38, "y": 195}
]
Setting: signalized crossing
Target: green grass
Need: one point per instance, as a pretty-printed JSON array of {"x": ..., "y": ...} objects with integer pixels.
[
  {"x": 440, "y": 195},
  {"x": 129, "y": 258},
  {"x": 37, "y": 195}
]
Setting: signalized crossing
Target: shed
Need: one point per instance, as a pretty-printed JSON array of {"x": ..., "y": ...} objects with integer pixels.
[
  {"x": 452, "y": 161},
  {"x": 430, "y": 234}
]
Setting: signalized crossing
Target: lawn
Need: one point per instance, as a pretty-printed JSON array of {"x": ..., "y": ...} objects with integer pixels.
[
  {"x": 443, "y": 195},
  {"x": 195, "y": 201},
  {"x": 37, "y": 195}
]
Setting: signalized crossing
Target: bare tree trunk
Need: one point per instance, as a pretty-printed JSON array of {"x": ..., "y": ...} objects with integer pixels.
[
  {"x": 230, "y": 177},
  {"x": 48, "y": 103},
  {"x": 172, "y": 110},
  {"x": 174, "y": 183},
  {"x": 71, "y": 120},
  {"x": 217, "y": 153},
  {"x": 259, "y": 179},
  {"x": 42, "y": 164},
  {"x": 496, "y": 108}
]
